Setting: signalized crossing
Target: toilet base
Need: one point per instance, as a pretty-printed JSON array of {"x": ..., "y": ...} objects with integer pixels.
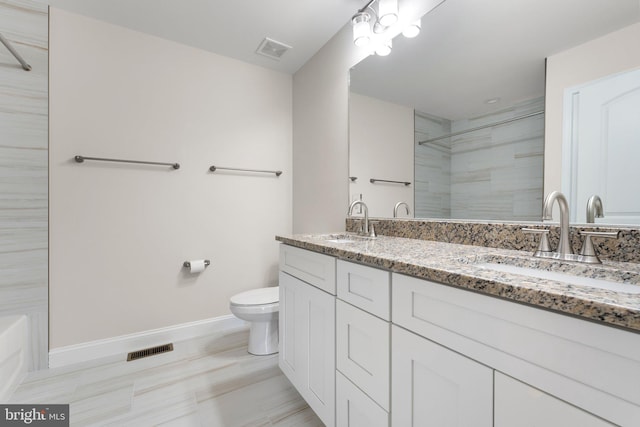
[{"x": 263, "y": 337}]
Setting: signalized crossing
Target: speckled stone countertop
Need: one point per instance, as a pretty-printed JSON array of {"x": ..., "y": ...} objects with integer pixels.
[{"x": 462, "y": 266}]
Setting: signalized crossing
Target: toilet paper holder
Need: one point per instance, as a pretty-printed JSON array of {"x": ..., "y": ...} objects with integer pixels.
[{"x": 187, "y": 264}]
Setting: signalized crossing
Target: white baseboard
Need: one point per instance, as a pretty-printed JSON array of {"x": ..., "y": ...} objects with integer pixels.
[{"x": 123, "y": 344}]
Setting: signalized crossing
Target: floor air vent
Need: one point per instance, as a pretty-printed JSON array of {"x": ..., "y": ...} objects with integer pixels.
[{"x": 134, "y": 355}]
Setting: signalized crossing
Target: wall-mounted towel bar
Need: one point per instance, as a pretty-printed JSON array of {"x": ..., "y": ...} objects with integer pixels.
[
  {"x": 81, "y": 159},
  {"x": 374, "y": 180},
  {"x": 215, "y": 168},
  {"x": 15, "y": 53}
]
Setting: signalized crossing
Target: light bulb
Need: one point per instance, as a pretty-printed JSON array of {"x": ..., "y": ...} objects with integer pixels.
[
  {"x": 361, "y": 29},
  {"x": 412, "y": 30},
  {"x": 384, "y": 48},
  {"x": 387, "y": 12}
]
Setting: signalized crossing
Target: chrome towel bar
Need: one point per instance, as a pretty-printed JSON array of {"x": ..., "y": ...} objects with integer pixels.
[
  {"x": 215, "y": 168},
  {"x": 15, "y": 53},
  {"x": 81, "y": 159},
  {"x": 374, "y": 180}
]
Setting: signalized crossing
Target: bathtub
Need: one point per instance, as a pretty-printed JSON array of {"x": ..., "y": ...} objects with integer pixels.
[{"x": 13, "y": 353}]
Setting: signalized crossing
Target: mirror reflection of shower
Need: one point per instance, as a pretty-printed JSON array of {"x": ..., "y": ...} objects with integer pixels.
[{"x": 486, "y": 167}]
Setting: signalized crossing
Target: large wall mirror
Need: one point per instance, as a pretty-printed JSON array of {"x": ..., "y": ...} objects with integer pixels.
[{"x": 452, "y": 122}]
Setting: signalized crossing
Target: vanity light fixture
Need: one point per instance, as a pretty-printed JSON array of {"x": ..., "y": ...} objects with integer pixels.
[
  {"x": 384, "y": 48},
  {"x": 369, "y": 21},
  {"x": 387, "y": 12},
  {"x": 413, "y": 30},
  {"x": 361, "y": 28}
]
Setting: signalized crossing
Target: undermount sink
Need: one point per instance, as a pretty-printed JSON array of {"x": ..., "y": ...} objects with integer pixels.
[
  {"x": 599, "y": 277},
  {"x": 563, "y": 277},
  {"x": 345, "y": 238}
]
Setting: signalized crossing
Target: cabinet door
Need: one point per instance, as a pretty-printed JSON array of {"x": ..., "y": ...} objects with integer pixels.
[
  {"x": 290, "y": 318},
  {"x": 520, "y": 405},
  {"x": 354, "y": 408},
  {"x": 434, "y": 386},
  {"x": 307, "y": 344}
]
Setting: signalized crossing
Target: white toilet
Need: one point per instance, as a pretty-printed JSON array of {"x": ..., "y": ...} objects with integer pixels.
[{"x": 260, "y": 308}]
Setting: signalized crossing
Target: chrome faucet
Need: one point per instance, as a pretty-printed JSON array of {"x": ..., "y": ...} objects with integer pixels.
[
  {"x": 355, "y": 203},
  {"x": 395, "y": 208},
  {"x": 564, "y": 246},
  {"x": 594, "y": 208}
]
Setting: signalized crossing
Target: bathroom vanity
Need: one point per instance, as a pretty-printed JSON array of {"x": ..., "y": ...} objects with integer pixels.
[{"x": 406, "y": 332}]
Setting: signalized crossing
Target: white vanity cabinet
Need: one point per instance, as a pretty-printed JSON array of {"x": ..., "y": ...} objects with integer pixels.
[
  {"x": 587, "y": 372},
  {"x": 362, "y": 345},
  {"x": 307, "y": 327},
  {"x": 395, "y": 350}
]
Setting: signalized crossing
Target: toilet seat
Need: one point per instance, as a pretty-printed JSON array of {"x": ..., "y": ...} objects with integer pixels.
[
  {"x": 256, "y": 297},
  {"x": 255, "y": 309}
]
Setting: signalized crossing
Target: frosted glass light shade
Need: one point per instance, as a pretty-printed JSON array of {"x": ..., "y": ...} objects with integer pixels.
[
  {"x": 384, "y": 49},
  {"x": 387, "y": 12},
  {"x": 412, "y": 30},
  {"x": 361, "y": 29}
]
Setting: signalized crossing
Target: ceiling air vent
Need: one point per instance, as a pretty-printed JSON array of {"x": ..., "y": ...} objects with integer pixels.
[
  {"x": 272, "y": 49},
  {"x": 134, "y": 355}
]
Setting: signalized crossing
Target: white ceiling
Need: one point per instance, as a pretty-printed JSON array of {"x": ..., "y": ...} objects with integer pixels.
[
  {"x": 470, "y": 51},
  {"x": 232, "y": 28}
]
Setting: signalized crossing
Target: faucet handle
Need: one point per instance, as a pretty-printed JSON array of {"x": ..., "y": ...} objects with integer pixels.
[
  {"x": 544, "y": 246},
  {"x": 588, "y": 251}
]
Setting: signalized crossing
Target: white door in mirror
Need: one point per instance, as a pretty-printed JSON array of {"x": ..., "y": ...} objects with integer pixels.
[{"x": 600, "y": 143}]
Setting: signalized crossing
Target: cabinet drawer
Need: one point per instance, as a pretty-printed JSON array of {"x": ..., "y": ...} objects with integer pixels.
[
  {"x": 362, "y": 351},
  {"x": 365, "y": 287},
  {"x": 356, "y": 409},
  {"x": 316, "y": 269}
]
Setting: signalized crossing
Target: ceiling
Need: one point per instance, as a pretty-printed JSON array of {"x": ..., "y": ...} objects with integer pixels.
[
  {"x": 233, "y": 28},
  {"x": 470, "y": 51}
]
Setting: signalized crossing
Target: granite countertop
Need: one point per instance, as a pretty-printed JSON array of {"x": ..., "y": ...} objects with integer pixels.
[{"x": 461, "y": 266}]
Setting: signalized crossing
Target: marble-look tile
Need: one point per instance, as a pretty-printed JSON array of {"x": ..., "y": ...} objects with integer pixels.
[
  {"x": 481, "y": 173},
  {"x": 208, "y": 381},
  {"x": 23, "y": 167}
]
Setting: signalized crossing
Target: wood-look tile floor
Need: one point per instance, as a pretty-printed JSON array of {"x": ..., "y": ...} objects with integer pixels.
[{"x": 209, "y": 381}]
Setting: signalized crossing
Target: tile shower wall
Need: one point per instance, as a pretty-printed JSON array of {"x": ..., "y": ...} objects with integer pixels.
[
  {"x": 23, "y": 168},
  {"x": 495, "y": 173},
  {"x": 432, "y": 168}
]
